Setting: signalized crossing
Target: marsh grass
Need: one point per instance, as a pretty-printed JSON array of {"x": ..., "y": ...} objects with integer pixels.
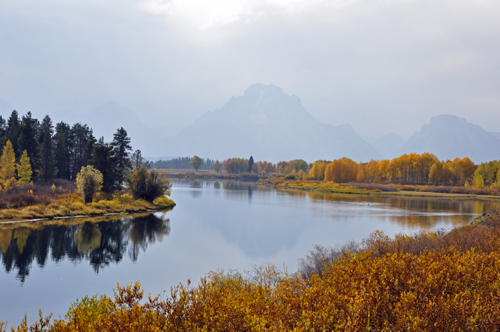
[{"x": 60, "y": 200}]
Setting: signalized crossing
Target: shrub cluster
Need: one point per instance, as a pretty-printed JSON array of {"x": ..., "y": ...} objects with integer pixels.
[
  {"x": 148, "y": 185},
  {"x": 431, "y": 281}
]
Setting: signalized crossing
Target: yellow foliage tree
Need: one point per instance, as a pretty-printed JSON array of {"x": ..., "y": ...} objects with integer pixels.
[
  {"x": 318, "y": 170},
  {"x": 89, "y": 183},
  {"x": 24, "y": 169},
  {"x": 8, "y": 163}
]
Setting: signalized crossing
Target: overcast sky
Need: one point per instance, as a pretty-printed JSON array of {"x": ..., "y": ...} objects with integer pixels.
[{"x": 381, "y": 65}]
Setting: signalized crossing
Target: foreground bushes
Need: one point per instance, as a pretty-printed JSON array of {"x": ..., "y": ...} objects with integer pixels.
[{"x": 425, "y": 282}]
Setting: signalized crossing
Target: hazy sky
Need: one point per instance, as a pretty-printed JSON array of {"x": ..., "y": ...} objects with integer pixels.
[{"x": 380, "y": 65}]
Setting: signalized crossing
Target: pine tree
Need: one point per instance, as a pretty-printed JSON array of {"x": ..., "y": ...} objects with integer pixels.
[
  {"x": 48, "y": 170},
  {"x": 28, "y": 140},
  {"x": 104, "y": 160},
  {"x": 13, "y": 131},
  {"x": 8, "y": 162},
  {"x": 80, "y": 145},
  {"x": 45, "y": 126},
  {"x": 250, "y": 164},
  {"x": 24, "y": 169},
  {"x": 3, "y": 131},
  {"x": 62, "y": 151},
  {"x": 121, "y": 146}
]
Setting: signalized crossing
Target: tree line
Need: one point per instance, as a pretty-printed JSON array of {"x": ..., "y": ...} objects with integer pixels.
[
  {"x": 181, "y": 163},
  {"x": 408, "y": 169},
  {"x": 40, "y": 151}
]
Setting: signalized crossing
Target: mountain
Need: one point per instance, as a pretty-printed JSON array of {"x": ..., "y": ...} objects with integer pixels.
[
  {"x": 448, "y": 137},
  {"x": 388, "y": 145},
  {"x": 497, "y": 135},
  {"x": 269, "y": 125}
]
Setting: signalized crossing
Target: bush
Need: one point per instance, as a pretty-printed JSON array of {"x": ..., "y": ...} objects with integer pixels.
[
  {"x": 89, "y": 183},
  {"x": 148, "y": 185}
]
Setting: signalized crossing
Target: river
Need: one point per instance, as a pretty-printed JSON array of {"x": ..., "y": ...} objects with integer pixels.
[{"x": 215, "y": 225}]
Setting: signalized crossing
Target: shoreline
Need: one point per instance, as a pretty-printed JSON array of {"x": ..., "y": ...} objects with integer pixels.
[
  {"x": 83, "y": 216},
  {"x": 336, "y": 189},
  {"x": 72, "y": 207}
]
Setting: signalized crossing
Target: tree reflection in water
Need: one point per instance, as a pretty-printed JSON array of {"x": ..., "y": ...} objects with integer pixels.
[{"x": 101, "y": 243}]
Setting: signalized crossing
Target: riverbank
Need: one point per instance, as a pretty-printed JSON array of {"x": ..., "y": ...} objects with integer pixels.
[
  {"x": 71, "y": 205},
  {"x": 208, "y": 175},
  {"x": 355, "y": 190}
]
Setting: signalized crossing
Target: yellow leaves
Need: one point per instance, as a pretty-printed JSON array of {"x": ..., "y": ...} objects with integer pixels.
[
  {"x": 8, "y": 162},
  {"x": 24, "y": 169},
  {"x": 392, "y": 285}
]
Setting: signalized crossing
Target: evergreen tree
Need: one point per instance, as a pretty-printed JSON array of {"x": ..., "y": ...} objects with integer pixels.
[
  {"x": 62, "y": 152},
  {"x": 48, "y": 171},
  {"x": 28, "y": 140},
  {"x": 80, "y": 146},
  {"x": 8, "y": 162},
  {"x": 250, "y": 164},
  {"x": 3, "y": 131},
  {"x": 13, "y": 131},
  {"x": 24, "y": 171},
  {"x": 104, "y": 160},
  {"x": 45, "y": 126},
  {"x": 121, "y": 146}
]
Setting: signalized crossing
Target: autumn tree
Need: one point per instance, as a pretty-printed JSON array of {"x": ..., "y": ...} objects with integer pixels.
[
  {"x": 8, "y": 163},
  {"x": 217, "y": 166},
  {"x": 89, "y": 183},
  {"x": 24, "y": 171},
  {"x": 317, "y": 171},
  {"x": 196, "y": 162},
  {"x": 341, "y": 171}
]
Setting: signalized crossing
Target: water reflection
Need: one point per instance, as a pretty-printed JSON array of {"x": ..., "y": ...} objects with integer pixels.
[{"x": 100, "y": 243}]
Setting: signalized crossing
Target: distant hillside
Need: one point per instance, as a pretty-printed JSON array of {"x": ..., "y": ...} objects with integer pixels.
[
  {"x": 449, "y": 136},
  {"x": 269, "y": 125},
  {"x": 388, "y": 145}
]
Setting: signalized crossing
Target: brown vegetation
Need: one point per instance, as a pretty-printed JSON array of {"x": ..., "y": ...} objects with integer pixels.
[{"x": 430, "y": 281}]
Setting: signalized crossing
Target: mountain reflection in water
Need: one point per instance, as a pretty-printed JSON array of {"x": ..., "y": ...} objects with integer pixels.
[{"x": 101, "y": 243}]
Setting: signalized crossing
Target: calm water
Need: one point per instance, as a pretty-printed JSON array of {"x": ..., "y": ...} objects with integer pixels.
[{"x": 215, "y": 225}]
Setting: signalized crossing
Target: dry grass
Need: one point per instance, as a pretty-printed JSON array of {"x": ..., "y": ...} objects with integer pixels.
[{"x": 35, "y": 202}]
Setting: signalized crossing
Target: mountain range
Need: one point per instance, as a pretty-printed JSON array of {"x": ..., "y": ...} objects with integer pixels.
[
  {"x": 449, "y": 137},
  {"x": 269, "y": 124}
]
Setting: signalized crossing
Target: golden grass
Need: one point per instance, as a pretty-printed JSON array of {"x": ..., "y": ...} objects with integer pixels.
[
  {"x": 72, "y": 205},
  {"x": 330, "y": 187}
]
